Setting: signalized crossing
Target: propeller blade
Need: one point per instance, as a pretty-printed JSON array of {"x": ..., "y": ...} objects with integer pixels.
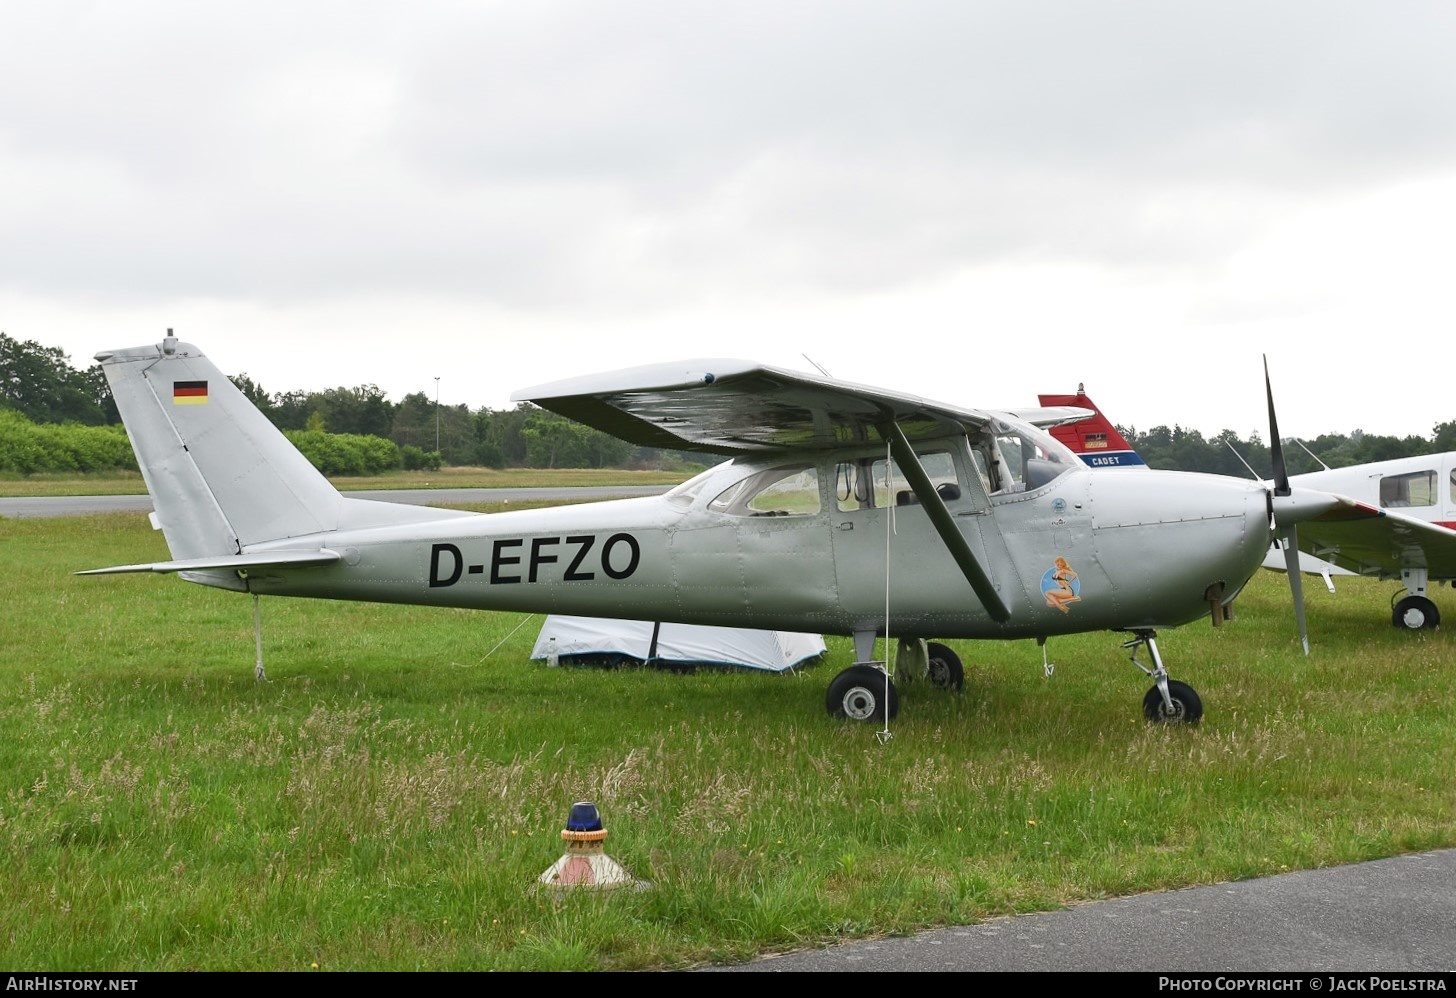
[
  {"x": 1276, "y": 449},
  {"x": 1290, "y": 543},
  {"x": 1288, "y": 539}
]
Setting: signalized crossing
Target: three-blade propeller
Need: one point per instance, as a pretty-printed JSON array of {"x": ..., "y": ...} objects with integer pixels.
[{"x": 1285, "y": 532}]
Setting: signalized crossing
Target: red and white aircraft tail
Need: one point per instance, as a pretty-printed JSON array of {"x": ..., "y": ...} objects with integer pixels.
[{"x": 1095, "y": 440}]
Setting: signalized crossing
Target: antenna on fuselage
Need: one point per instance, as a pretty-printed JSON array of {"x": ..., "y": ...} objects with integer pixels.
[
  {"x": 816, "y": 364},
  {"x": 1252, "y": 472},
  {"x": 1310, "y": 452}
]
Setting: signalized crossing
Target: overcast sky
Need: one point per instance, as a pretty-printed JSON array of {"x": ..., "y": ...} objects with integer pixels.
[{"x": 971, "y": 201}]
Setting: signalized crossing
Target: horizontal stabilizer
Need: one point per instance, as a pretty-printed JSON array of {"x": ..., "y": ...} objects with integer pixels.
[{"x": 269, "y": 559}]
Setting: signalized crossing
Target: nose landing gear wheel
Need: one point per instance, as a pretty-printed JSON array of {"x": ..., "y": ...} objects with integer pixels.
[
  {"x": 944, "y": 668},
  {"x": 1416, "y": 613},
  {"x": 1187, "y": 708},
  {"x": 861, "y": 693}
]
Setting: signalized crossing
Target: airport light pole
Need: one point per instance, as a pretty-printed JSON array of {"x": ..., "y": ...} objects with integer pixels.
[{"x": 437, "y": 414}]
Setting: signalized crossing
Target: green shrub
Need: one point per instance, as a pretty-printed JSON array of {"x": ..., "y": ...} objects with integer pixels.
[
  {"x": 345, "y": 454},
  {"x": 416, "y": 459},
  {"x": 31, "y": 448}
]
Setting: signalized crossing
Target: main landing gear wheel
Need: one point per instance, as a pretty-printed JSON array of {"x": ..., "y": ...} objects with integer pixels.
[
  {"x": 861, "y": 693},
  {"x": 1416, "y": 613},
  {"x": 944, "y": 669},
  {"x": 1187, "y": 708}
]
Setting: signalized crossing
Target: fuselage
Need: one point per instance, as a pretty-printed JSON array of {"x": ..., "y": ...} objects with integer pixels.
[
  {"x": 1422, "y": 487},
  {"x": 845, "y": 510},
  {"x": 821, "y": 545}
]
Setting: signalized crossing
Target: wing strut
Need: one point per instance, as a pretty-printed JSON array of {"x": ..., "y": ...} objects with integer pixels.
[{"x": 944, "y": 523}]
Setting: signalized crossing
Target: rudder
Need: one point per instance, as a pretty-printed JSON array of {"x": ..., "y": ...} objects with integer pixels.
[{"x": 221, "y": 476}]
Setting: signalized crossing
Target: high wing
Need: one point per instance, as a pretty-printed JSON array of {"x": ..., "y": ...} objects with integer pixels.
[
  {"x": 727, "y": 406},
  {"x": 1382, "y": 546},
  {"x": 724, "y": 406}
]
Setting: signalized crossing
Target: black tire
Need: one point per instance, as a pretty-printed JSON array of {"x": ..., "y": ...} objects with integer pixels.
[
  {"x": 859, "y": 694},
  {"x": 1187, "y": 708},
  {"x": 1416, "y": 613},
  {"x": 943, "y": 668}
]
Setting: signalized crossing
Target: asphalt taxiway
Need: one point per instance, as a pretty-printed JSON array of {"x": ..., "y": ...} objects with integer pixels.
[
  {"x": 1393, "y": 915},
  {"x": 18, "y": 507}
]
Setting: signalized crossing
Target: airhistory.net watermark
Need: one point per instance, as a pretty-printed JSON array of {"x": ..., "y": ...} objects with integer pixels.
[{"x": 34, "y": 982}]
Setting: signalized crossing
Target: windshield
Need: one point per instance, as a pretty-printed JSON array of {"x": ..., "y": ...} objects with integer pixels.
[{"x": 1017, "y": 457}]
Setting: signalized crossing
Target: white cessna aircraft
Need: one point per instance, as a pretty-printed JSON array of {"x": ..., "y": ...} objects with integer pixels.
[
  {"x": 1415, "y": 542},
  {"x": 841, "y": 509}
]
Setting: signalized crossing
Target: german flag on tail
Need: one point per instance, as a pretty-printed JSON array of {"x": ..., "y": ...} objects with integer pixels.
[{"x": 189, "y": 393}]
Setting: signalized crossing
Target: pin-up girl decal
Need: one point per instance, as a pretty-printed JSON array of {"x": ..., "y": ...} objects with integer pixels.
[{"x": 1060, "y": 586}]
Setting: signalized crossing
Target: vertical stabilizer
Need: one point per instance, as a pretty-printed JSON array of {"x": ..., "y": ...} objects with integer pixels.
[
  {"x": 1095, "y": 440},
  {"x": 220, "y": 474}
]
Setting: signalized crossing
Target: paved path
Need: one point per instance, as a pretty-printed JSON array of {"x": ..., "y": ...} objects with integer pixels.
[
  {"x": 1391, "y": 915},
  {"x": 46, "y": 506}
]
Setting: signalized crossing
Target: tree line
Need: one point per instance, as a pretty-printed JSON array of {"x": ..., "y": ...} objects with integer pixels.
[
  {"x": 40, "y": 385},
  {"x": 1179, "y": 449},
  {"x": 334, "y": 426}
]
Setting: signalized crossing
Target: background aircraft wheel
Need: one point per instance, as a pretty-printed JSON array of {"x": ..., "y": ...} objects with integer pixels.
[
  {"x": 944, "y": 668},
  {"x": 1187, "y": 708},
  {"x": 1416, "y": 613},
  {"x": 859, "y": 693}
]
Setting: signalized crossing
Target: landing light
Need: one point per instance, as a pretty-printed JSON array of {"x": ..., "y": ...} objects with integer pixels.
[{"x": 584, "y": 817}]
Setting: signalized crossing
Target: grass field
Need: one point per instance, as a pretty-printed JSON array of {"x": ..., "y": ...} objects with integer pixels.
[{"x": 388, "y": 798}]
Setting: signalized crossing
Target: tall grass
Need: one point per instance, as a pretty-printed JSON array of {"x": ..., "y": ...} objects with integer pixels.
[{"x": 388, "y": 798}]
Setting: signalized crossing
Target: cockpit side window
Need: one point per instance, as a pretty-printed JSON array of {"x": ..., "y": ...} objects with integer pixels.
[
  {"x": 785, "y": 491},
  {"x": 869, "y": 482},
  {"x": 1415, "y": 489}
]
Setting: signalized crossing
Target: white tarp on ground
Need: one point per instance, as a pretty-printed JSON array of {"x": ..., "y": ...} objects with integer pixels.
[{"x": 777, "y": 651}]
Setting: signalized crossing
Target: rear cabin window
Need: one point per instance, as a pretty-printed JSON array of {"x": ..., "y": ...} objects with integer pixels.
[
  {"x": 1415, "y": 489},
  {"x": 687, "y": 492},
  {"x": 787, "y": 491}
]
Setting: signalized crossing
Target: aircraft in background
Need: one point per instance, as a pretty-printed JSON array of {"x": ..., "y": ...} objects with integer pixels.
[
  {"x": 1415, "y": 542},
  {"x": 841, "y": 509},
  {"x": 1094, "y": 439}
]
